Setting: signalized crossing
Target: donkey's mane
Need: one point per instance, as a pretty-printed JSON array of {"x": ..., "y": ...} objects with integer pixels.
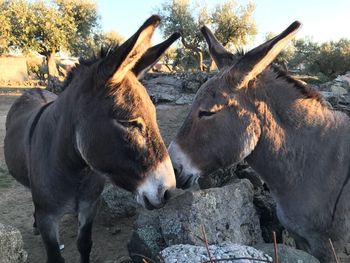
[
  {"x": 306, "y": 90},
  {"x": 86, "y": 62}
]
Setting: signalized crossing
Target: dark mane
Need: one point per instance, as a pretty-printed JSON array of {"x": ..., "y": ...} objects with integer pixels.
[
  {"x": 306, "y": 90},
  {"x": 86, "y": 62}
]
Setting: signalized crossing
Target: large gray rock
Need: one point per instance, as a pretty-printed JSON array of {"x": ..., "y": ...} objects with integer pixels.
[
  {"x": 198, "y": 254},
  {"x": 287, "y": 254},
  {"x": 227, "y": 213},
  {"x": 147, "y": 239},
  {"x": 164, "y": 87},
  {"x": 116, "y": 203},
  {"x": 11, "y": 245}
]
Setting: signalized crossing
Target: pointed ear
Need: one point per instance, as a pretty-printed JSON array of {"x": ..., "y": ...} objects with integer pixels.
[
  {"x": 258, "y": 59},
  {"x": 121, "y": 60},
  {"x": 152, "y": 55},
  {"x": 220, "y": 55}
]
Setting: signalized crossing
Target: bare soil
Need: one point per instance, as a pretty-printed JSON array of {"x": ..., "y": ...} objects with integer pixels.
[{"x": 110, "y": 242}]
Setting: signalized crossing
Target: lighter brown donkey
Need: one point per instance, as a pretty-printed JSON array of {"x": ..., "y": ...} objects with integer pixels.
[{"x": 285, "y": 131}]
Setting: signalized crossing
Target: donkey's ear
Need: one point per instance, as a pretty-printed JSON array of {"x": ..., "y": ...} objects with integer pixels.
[
  {"x": 258, "y": 59},
  {"x": 152, "y": 55},
  {"x": 220, "y": 55},
  {"x": 123, "y": 59}
]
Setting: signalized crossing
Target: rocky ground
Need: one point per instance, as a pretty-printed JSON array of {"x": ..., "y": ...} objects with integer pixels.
[{"x": 250, "y": 219}]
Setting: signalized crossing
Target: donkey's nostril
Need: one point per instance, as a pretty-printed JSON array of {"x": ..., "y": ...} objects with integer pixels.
[
  {"x": 147, "y": 203},
  {"x": 167, "y": 195}
]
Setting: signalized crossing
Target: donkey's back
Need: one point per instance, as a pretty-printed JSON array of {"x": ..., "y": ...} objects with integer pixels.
[{"x": 18, "y": 123}]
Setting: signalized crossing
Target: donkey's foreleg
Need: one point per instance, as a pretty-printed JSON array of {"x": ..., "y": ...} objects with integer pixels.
[
  {"x": 36, "y": 231},
  {"x": 86, "y": 216},
  {"x": 48, "y": 226},
  {"x": 320, "y": 248}
]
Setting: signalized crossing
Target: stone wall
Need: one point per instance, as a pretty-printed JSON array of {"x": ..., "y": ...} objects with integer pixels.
[{"x": 13, "y": 69}]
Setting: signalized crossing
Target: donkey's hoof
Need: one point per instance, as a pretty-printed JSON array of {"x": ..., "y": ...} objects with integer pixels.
[{"x": 36, "y": 231}]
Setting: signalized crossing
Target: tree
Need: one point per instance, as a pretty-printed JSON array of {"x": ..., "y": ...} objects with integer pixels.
[
  {"x": 231, "y": 23},
  {"x": 326, "y": 60},
  {"x": 332, "y": 58},
  {"x": 48, "y": 27},
  {"x": 177, "y": 17},
  {"x": 92, "y": 45}
]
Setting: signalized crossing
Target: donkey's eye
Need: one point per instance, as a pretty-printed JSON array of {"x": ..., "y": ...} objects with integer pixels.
[
  {"x": 203, "y": 113},
  {"x": 137, "y": 123}
]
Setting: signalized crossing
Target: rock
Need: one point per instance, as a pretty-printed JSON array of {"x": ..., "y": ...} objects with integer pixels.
[
  {"x": 11, "y": 245},
  {"x": 198, "y": 254},
  {"x": 219, "y": 178},
  {"x": 163, "y": 88},
  {"x": 347, "y": 248},
  {"x": 251, "y": 175},
  {"x": 287, "y": 254},
  {"x": 116, "y": 203},
  {"x": 227, "y": 213},
  {"x": 266, "y": 209},
  {"x": 338, "y": 90},
  {"x": 147, "y": 237},
  {"x": 194, "y": 81},
  {"x": 146, "y": 241},
  {"x": 287, "y": 239},
  {"x": 344, "y": 80},
  {"x": 185, "y": 99}
]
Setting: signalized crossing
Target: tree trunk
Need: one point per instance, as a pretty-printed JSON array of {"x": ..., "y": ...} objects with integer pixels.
[
  {"x": 197, "y": 51},
  {"x": 200, "y": 60},
  {"x": 54, "y": 84}
]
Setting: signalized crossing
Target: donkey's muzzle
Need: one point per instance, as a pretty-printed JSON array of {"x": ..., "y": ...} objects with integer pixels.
[
  {"x": 186, "y": 172},
  {"x": 185, "y": 182},
  {"x": 151, "y": 205},
  {"x": 153, "y": 192}
]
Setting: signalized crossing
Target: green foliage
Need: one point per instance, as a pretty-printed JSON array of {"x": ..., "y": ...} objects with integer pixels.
[
  {"x": 47, "y": 27},
  {"x": 332, "y": 58},
  {"x": 326, "y": 60},
  {"x": 232, "y": 24}
]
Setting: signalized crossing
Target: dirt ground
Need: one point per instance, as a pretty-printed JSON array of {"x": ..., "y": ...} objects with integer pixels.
[{"x": 109, "y": 241}]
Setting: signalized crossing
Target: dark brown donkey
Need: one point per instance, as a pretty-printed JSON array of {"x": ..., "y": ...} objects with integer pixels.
[
  {"x": 102, "y": 125},
  {"x": 286, "y": 132}
]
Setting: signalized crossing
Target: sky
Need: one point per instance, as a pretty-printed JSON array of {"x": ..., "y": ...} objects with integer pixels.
[{"x": 323, "y": 20}]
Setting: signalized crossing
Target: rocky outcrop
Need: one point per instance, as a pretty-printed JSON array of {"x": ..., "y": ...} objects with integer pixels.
[
  {"x": 227, "y": 214},
  {"x": 11, "y": 245},
  {"x": 178, "y": 88},
  {"x": 116, "y": 203},
  {"x": 199, "y": 254},
  {"x": 287, "y": 254}
]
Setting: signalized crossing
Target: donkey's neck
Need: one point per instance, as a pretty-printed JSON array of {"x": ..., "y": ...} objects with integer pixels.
[
  {"x": 62, "y": 118},
  {"x": 302, "y": 140}
]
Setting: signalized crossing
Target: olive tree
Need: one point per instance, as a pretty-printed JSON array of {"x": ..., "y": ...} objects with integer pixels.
[
  {"x": 48, "y": 27},
  {"x": 232, "y": 24}
]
